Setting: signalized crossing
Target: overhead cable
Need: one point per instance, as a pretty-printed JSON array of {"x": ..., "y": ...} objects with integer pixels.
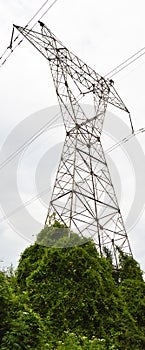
[
  {"x": 124, "y": 140},
  {"x": 39, "y": 195},
  {"x": 16, "y": 38},
  {"x": 33, "y": 138},
  {"x": 125, "y": 63}
]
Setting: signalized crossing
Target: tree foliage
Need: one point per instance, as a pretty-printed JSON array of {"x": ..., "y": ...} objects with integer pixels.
[{"x": 71, "y": 298}]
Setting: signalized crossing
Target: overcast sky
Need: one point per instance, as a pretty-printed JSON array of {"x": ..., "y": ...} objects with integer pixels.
[{"x": 102, "y": 33}]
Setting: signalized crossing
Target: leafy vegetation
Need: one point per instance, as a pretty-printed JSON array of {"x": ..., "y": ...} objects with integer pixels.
[{"x": 71, "y": 298}]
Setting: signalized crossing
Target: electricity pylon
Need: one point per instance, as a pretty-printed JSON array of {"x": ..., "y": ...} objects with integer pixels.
[{"x": 83, "y": 196}]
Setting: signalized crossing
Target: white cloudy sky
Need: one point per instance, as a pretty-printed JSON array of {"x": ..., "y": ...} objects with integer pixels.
[{"x": 102, "y": 33}]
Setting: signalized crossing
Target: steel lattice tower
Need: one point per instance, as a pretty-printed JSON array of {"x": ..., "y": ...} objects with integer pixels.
[{"x": 83, "y": 197}]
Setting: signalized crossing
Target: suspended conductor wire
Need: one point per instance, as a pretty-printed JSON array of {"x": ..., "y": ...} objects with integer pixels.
[
  {"x": 28, "y": 142},
  {"x": 121, "y": 64},
  {"x": 45, "y": 3},
  {"x": 26, "y": 26},
  {"x": 13, "y": 49},
  {"x": 33, "y": 138},
  {"x": 124, "y": 140},
  {"x": 47, "y": 10},
  {"x": 20, "y": 149},
  {"x": 4, "y": 53},
  {"x": 128, "y": 64},
  {"x": 39, "y": 195},
  {"x": 114, "y": 71},
  {"x": 49, "y": 124},
  {"x": 24, "y": 205}
]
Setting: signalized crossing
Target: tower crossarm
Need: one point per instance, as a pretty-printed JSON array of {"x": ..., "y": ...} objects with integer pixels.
[{"x": 85, "y": 78}]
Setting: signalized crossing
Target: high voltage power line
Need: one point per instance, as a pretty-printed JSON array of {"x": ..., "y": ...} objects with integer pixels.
[
  {"x": 110, "y": 74},
  {"x": 9, "y": 47},
  {"x": 125, "y": 63},
  {"x": 29, "y": 141},
  {"x": 16, "y": 38},
  {"x": 33, "y": 138},
  {"x": 43, "y": 129},
  {"x": 38, "y": 196},
  {"x": 24, "y": 205},
  {"x": 124, "y": 140}
]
